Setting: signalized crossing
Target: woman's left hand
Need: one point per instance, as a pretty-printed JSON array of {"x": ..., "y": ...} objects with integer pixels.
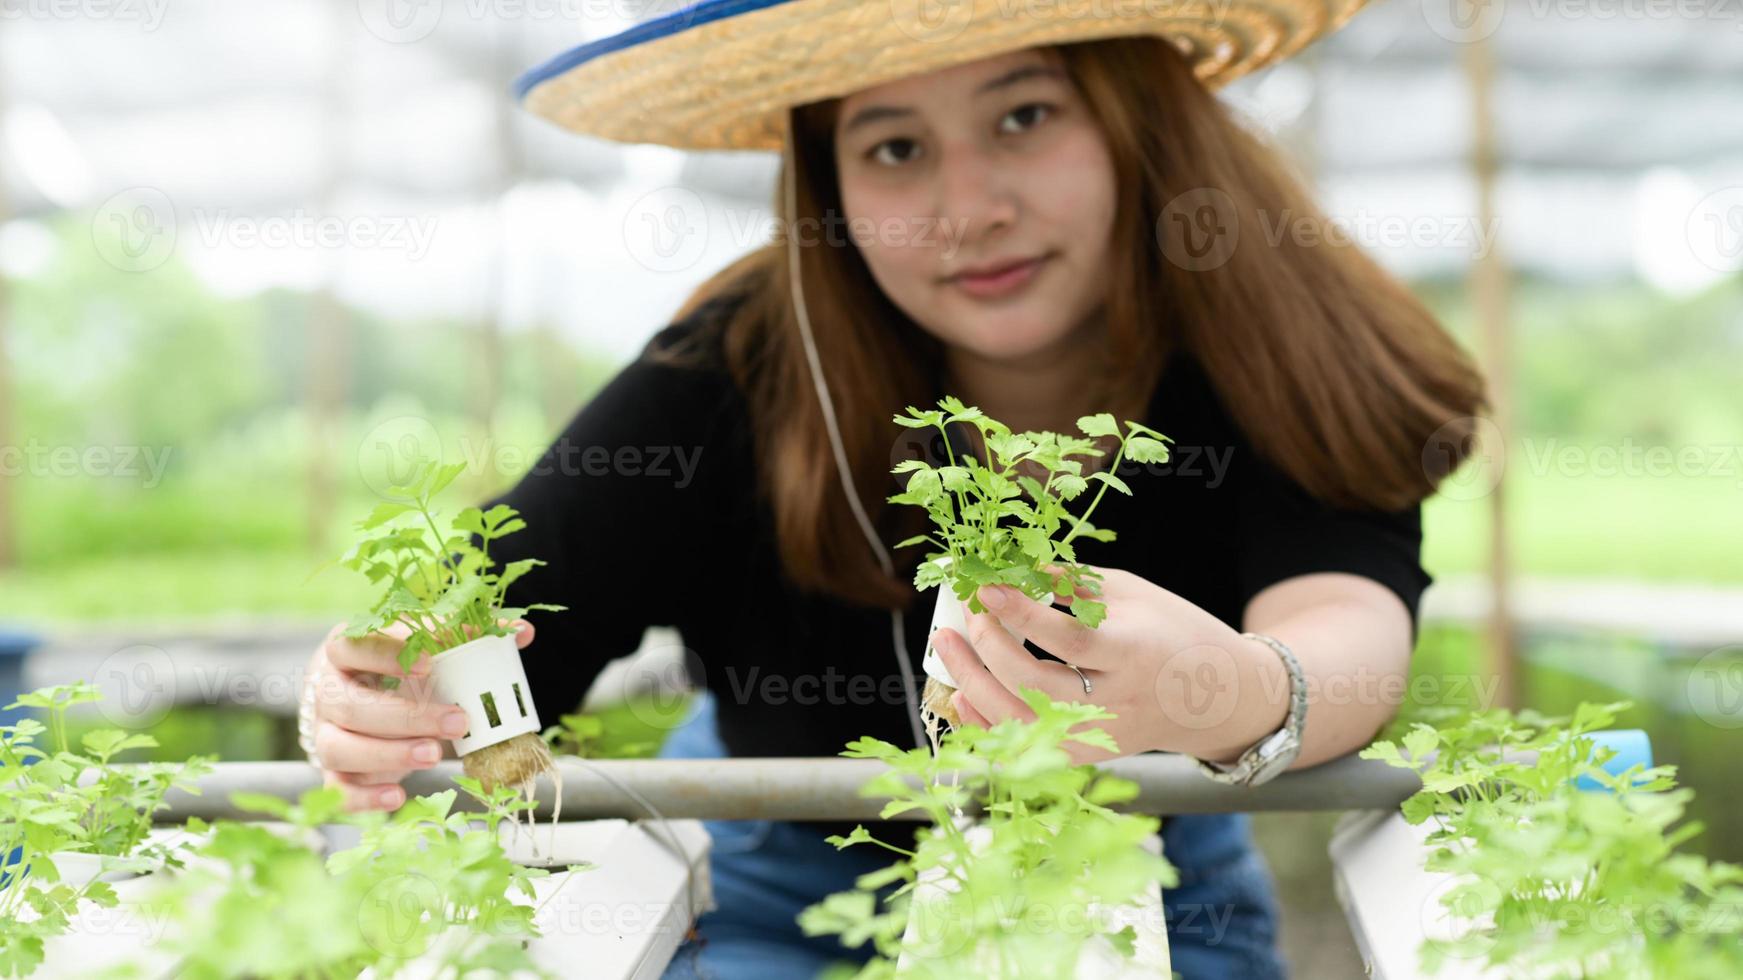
[{"x": 1160, "y": 663}]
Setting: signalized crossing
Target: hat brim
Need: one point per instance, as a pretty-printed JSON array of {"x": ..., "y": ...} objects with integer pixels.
[{"x": 722, "y": 74}]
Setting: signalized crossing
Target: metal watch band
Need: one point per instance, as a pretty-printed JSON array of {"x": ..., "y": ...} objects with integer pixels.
[{"x": 1271, "y": 755}]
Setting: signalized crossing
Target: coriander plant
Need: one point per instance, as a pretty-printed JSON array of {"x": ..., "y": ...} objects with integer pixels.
[
  {"x": 985, "y": 527},
  {"x": 423, "y": 882},
  {"x": 1046, "y": 845},
  {"x": 436, "y": 582},
  {"x": 45, "y": 811},
  {"x": 1558, "y": 881}
]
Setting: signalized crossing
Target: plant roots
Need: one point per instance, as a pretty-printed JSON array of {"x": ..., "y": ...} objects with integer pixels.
[{"x": 517, "y": 762}]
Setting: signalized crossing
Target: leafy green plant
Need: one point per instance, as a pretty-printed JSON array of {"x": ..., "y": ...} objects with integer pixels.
[
  {"x": 424, "y": 881},
  {"x": 45, "y": 812},
  {"x": 1555, "y": 881},
  {"x": 1047, "y": 845},
  {"x": 985, "y": 527},
  {"x": 631, "y": 729},
  {"x": 436, "y": 582}
]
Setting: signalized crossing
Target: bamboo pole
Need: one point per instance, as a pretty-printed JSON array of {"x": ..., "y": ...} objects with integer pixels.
[
  {"x": 1489, "y": 288},
  {"x": 499, "y": 179},
  {"x": 328, "y": 337},
  {"x": 8, "y": 515}
]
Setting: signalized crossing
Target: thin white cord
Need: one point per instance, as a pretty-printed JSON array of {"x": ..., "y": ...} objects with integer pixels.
[
  {"x": 677, "y": 847},
  {"x": 897, "y": 632}
]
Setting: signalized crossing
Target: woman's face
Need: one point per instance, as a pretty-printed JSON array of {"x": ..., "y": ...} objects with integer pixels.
[{"x": 974, "y": 166}]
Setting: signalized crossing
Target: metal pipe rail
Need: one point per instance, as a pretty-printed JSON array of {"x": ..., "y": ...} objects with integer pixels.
[{"x": 811, "y": 788}]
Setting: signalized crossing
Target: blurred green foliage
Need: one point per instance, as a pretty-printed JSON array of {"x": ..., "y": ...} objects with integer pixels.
[
  {"x": 1561, "y": 669},
  {"x": 205, "y": 399},
  {"x": 104, "y": 357}
]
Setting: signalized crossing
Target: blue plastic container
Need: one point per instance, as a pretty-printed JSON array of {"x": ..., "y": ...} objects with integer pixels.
[
  {"x": 1632, "y": 746},
  {"x": 15, "y": 646}
]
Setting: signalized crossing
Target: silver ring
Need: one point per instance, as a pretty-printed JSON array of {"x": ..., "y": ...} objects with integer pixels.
[{"x": 1087, "y": 687}]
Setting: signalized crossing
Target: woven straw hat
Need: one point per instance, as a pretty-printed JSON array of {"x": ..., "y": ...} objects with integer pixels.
[{"x": 722, "y": 74}]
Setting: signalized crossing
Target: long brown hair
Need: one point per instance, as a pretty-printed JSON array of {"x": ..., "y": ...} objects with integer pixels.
[{"x": 1334, "y": 371}]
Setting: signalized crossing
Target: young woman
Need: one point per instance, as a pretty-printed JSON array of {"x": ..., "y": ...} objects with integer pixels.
[{"x": 1045, "y": 231}]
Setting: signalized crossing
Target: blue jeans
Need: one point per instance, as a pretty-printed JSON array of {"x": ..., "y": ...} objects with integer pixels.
[{"x": 1222, "y": 917}]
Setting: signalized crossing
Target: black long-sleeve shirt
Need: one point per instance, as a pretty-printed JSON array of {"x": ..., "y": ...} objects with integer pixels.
[{"x": 645, "y": 509}]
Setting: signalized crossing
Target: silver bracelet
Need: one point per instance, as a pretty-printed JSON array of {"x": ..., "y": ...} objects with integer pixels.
[{"x": 1271, "y": 755}]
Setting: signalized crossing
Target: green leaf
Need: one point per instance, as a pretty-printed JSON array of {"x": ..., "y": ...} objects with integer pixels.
[
  {"x": 956, "y": 479},
  {"x": 859, "y": 835},
  {"x": 1096, "y": 737},
  {"x": 1089, "y": 612},
  {"x": 1098, "y": 425},
  {"x": 866, "y": 747},
  {"x": 919, "y": 420},
  {"x": 1070, "y": 487},
  {"x": 440, "y": 477},
  {"x": 1124, "y": 941},
  {"x": 1421, "y": 741},
  {"x": 470, "y": 520},
  {"x": 1143, "y": 449},
  {"x": 895, "y": 807},
  {"x": 1010, "y": 448},
  {"x": 928, "y": 574},
  {"x": 960, "y": 412},
  {"x": 58, "y": 696},
  {"x": 513, "y": 571},
  {"x": 462, "y": 594},
  {"x": 20, "y": 955},
  {"x": 260, "y": 803},
  {"x": 1418, "y": 807},
  {"x": 497, "y": 516},
  {"x": 1035, "y": 543},
  {"x": 873, "y": 880},
  {"x": 1111, "y": 789},
  {"x": 108, "y": 742},
  {"x": 383, "y": 513},
  {"x": 1112, "y": 481},
  {"x": 1384, "y": 751}
]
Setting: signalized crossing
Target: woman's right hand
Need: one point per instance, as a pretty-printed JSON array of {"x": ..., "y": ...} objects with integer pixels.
[{"x": 368, "y": 739}]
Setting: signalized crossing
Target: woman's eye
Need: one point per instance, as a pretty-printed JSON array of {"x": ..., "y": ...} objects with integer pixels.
[
  {"x": 1041, "y": 107},
  {"x": 1035, "y": 111},
  {"x": 876, "y": 150}
]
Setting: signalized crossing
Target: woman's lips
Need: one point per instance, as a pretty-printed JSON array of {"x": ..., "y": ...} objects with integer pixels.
[{"x": 1003, "y": 283}]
